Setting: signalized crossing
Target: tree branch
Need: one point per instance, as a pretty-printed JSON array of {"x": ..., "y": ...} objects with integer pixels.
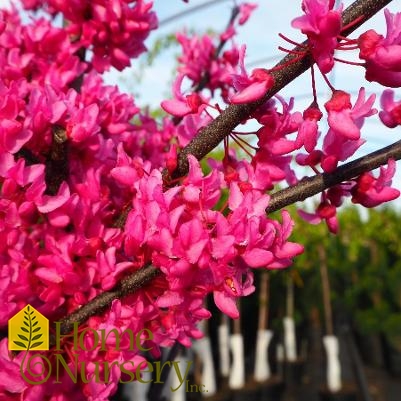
[
  {"x": 310, "y": 186},
  {"x": 285, "y": 72},
  {"x": 101, "y": 302}
]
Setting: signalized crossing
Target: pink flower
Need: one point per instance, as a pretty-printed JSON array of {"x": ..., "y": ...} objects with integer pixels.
[
  {"x": 308, "y": 130},
  {"x": 10, "y": 376},
  {"x": 245, "y": 11},
  {"x": 253, "y": 87},
  {"x": 370, "y": 191},
  {"x": 284, "y": 251},
  {"x": 322, "y": 25},
  {"x": 345, "y": 119},
  {"x": 383, "y": 54},
  {"x": 181, "y": 106},
  {"x": 325, "y": 211},
  {"x": 199, "y": 60},
  {"x": 391, "y": 113}
]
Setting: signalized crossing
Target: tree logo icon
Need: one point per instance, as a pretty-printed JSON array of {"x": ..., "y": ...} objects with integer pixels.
[{"x": 28, "y": 330}]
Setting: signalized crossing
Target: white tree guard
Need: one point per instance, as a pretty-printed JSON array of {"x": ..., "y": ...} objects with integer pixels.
[
  {"x": 262, "y": 367},
  {"x": 203, "y": 348},
  {"x": 236, "y": 379},
  {"x": 224, "y": 348},
  {"x": 333, "y": 363},
  {"x": 173, "y": 382},
  {"x": 290, "y": 345},
  {"x": 136, "y": 391}
]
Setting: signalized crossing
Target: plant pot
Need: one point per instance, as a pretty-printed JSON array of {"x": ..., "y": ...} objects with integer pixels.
[{"x": 347, "y": 393}]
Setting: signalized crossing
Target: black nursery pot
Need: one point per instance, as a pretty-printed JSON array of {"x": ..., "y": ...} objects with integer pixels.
[{"x": 345, "y": 394}]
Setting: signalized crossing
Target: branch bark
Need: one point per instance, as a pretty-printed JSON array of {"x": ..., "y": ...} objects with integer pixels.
[{"x": 100, "y": 303}]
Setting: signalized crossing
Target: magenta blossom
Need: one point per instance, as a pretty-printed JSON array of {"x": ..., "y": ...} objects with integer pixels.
[
  {"x": 245, "y": 11},
  {"x": 322, "y": 25},
  {"x": 308, "y": 130},
  {"x": 345, "y": 119},
  {"x": 250, "y": 87},
  {"x": 383, "y": 54},
  {"x": 183, "y": 105},
  {"x": 391, "y": 113},
  {"x": 370, "y": 191}
]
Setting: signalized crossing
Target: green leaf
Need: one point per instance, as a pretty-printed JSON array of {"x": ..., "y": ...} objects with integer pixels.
[
  {"x": 36, "y": 345},
  {"x": 34, "y": 324},
  {"x": 36, "y": 337},
  {"x": 29, "y": 308},
  {"x": 35, "y": 330},
  {"x": 24, "y": 329},
  {"x": 26, "y": 324},
  {"x": 20, "y": 344},
  {"x": 34, "y": 318},
  {"x": 22, "y": 337}
]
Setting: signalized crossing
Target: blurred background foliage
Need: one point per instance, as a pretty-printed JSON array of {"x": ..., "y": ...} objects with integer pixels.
[{"x": 364, "y": 264}]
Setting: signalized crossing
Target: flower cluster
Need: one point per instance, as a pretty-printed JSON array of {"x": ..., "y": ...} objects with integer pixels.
[
  {"x": 322, "y": 25},
  {"x": 114, "y": 31},
  {"x": 383, "y": 54}
]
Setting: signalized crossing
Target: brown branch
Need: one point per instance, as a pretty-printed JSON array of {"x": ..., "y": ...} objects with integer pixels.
[
  {"x": 56, "y": 170},
  {"x": 313, "y": 185},
  {"x": 324, "y": 274},
  {"x": 101, "y": 302},
  {"x": 285, "y": 72}
]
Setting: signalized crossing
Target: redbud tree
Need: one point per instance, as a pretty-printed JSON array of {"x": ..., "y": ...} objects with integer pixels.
[{"x": 107, "y": 219}]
